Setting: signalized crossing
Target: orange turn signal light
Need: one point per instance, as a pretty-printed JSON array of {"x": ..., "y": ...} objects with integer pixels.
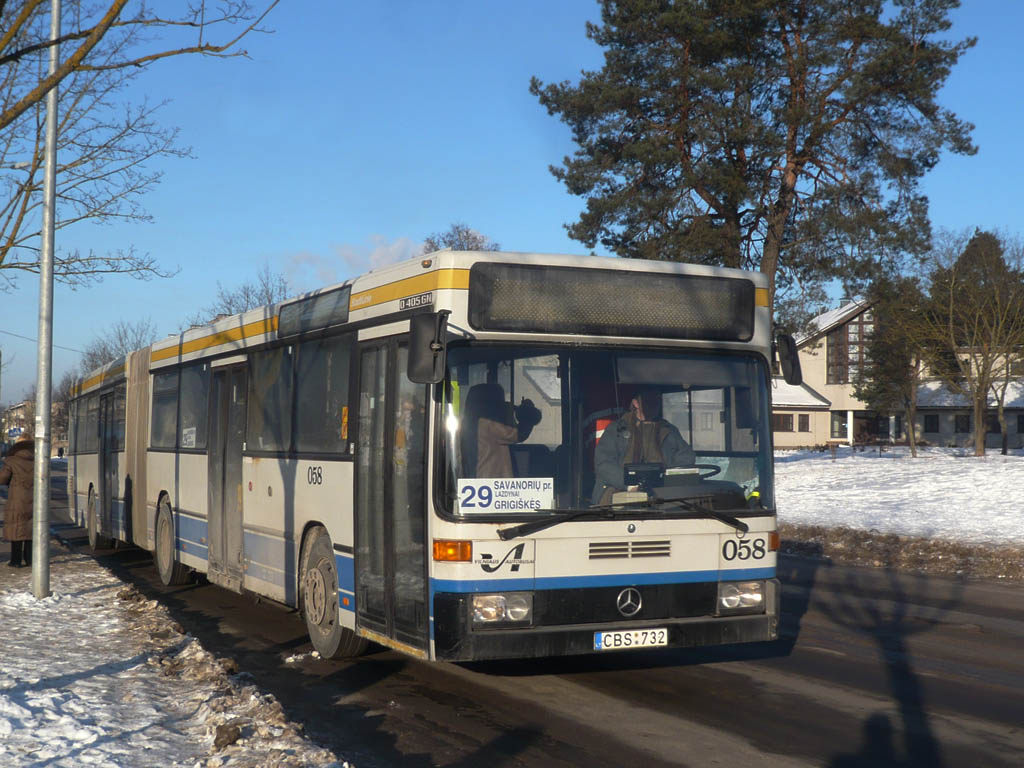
[
  {"x": 773, "y": 541},
  {"x": 453, "y": 551}
]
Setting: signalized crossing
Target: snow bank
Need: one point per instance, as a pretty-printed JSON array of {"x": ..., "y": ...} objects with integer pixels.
[
  {"x": 943, "y": 493},
  {"x": 96, "y": 674}
]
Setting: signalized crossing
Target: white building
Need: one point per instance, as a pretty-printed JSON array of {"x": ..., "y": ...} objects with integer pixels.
[{"x": 824, "y": 409}]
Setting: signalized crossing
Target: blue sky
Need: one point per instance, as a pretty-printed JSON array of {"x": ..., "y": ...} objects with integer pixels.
[{"x": 357, "y": 129}]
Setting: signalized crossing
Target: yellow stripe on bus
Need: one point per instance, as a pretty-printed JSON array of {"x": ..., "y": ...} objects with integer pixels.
[
  {"x": 99, "y": 378},
  {"x": 258, "y": 328},
  {"x": 439, "y": 280}
]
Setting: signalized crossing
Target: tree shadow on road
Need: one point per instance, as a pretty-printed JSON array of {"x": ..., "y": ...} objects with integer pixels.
[{"x": 912, "y": 604}]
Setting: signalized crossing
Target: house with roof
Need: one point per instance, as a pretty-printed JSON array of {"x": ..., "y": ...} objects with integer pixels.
[
  {"x": 831, "y": 352},
  {"x": 825, "y": 410},
  {"x": 945, "y": 418}
]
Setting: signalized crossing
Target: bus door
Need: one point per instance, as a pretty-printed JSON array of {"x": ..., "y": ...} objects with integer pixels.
[
  {"x": 224, "y": 462},
  {"x": 108, "y": 469},
  {"x": 390, "y": 558}
]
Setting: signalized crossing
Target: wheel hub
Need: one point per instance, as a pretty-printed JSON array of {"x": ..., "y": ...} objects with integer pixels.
[{"x": 316, "y": 596}]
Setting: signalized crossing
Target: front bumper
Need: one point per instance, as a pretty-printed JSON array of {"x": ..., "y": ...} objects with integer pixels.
[{"x": 456, "y": 640}]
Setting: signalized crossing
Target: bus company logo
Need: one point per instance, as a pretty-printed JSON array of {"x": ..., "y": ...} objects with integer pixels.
[
  {"x": 513, "y": 557},
  {"x": 361, "y": 300}
]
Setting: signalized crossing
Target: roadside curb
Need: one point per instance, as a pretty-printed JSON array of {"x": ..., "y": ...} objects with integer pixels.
[{"x": 910, "y": 554}]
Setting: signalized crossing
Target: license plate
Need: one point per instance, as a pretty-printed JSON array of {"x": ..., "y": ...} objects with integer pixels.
[{"x": 632, "y": 638}]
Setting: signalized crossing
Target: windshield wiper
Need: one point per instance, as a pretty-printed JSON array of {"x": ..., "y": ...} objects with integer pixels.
[
  {"x": 714, "y": 514},
  {"x": 608, "y": 511},
  {"x": 558, "y": 516}
]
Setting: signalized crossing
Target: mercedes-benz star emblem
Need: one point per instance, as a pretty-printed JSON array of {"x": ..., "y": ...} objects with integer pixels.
[{"x": 629, "y": 602}]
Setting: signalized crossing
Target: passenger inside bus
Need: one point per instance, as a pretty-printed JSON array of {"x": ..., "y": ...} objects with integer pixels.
[
  {"x": 640, "y": 436},
  {"x": 490, "y": 425}
]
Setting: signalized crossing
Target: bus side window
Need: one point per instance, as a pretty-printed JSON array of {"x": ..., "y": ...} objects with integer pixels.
[
  {"x": 321, "y": 408},
  {"x": 195, "y": 389},
  {"x": 269, "y": 424},
  {"x": 165, "y": 410}
]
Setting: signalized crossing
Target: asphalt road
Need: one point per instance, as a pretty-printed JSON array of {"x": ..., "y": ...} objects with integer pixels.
[{"x": 874, "y": 668}]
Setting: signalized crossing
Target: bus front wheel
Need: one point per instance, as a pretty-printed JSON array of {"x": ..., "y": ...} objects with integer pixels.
[
  {"x": 319, "y": 588},
  {"x": 172, "y": 573}
]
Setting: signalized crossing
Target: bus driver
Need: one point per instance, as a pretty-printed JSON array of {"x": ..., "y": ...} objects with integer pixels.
[{"x": 640, "y": 436}]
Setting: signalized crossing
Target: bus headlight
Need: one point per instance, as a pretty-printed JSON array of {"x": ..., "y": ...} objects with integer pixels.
[
  {"x": 510, "y": 607},
  {"x": 736, "y": 597}
]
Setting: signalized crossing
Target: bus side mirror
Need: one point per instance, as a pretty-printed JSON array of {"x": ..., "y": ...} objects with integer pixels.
[
  {"x": 789, "y": 360},
  {"x": 427, "y": 347}
]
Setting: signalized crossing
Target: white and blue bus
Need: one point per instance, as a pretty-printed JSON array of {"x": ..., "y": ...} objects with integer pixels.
[{"x": 471, "y": 455}]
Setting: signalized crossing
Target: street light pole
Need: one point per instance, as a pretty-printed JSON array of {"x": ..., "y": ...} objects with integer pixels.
[{"x": 44, "y": 374}]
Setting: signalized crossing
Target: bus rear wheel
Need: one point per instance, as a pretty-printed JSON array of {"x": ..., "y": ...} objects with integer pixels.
[
  {"x": 172, "y": 573},
  {"x": 92, "y": 523},
  {"x": 319, "y": 588}
]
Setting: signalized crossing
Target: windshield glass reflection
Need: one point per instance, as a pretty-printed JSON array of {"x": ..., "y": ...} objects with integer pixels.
[{"x": 531, "y": 429}]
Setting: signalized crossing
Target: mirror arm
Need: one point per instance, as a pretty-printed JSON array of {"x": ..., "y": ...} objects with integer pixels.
[{"x": 441, "y": 319}]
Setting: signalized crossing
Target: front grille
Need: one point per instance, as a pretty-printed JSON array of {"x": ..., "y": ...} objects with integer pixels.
[
  {"x": 608, "y": 550},
  {"x": 598, "y": 604}
]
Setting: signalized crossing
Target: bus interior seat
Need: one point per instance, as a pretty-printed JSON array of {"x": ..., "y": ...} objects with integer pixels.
[
  {"x": 532, "y": 460},
  {"x": 485, "y": 400}
]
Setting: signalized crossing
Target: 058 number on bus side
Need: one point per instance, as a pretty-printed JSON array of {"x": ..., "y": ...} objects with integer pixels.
[{"x": 734, "y": 549}]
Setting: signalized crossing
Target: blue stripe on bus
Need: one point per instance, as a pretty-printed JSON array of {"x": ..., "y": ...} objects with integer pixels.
[
  {"x": 346, "y": 566},
  {"x": 604, "y": 580},
  {"x": 265, "y": 549},
  {"x": 195, "y": 549},
  {"x": 265, "y": 573},
  {"x": 262, "y": 551}
]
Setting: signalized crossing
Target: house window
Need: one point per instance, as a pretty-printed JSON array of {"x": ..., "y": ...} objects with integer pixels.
[
  {"x": 835, "y": 358},
  {"x": 962, "y": 423},
  {"x": 846, "y": 349},
  {"x": 1020, "y": 423},
  {"x": 931, "y": 423},
  {"x": 838, "y": 428},
  {"x": 805, "y": 422},
  {"x": 992, "y": 424},
  {"x": 782, "y": 422}
]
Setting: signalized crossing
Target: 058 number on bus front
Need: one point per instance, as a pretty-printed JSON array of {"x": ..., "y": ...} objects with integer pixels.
[{"x": 734, "y": 549}]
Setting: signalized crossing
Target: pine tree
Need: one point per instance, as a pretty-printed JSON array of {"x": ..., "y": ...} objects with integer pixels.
[
  {"x": 782, "y": 135},
  {"x": 890, "y": 376}
]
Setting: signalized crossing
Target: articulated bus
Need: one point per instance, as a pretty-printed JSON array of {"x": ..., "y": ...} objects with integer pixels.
[{"x": 467, "y": 456}]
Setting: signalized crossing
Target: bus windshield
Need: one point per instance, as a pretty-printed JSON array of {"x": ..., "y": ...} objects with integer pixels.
[{"x": 529, "y": 430}]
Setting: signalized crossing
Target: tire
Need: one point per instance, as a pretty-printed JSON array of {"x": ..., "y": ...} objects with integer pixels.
[
  {"x": 92, "y": 523},
  {"x": 319, "y": 600},
  {"x": 172, "y": 573}
]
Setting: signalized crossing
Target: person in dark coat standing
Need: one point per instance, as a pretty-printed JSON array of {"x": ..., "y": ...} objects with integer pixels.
[{"x": 16, "y": 473}]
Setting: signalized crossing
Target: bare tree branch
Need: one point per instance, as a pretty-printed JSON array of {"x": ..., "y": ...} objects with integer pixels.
[
  {"x": 104, "y": 145},
  {"x": 117, "y": 341},
  {"x": 459, "y": 237},
  {"x": 19, "y": 31},
  {"x": 266, "y": 288}
]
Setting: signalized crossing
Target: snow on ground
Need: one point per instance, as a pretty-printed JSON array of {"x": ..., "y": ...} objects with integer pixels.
[
  {"x": 944, "y": 493},
  {"x": 96, "y": 675}
]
